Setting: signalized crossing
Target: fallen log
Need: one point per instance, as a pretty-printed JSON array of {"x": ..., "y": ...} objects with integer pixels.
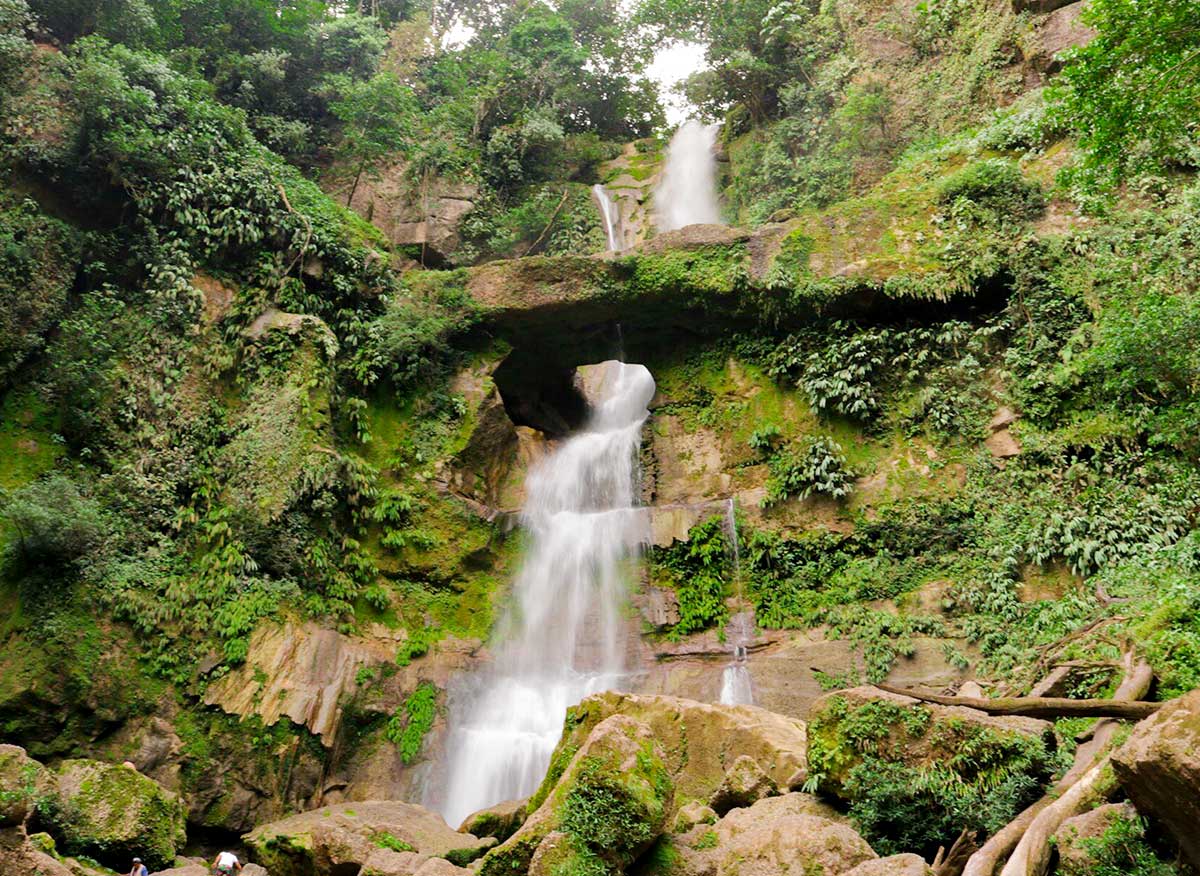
[{"x": 1038, "y": 707}]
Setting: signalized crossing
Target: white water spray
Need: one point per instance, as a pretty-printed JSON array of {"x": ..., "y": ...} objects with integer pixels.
[
  {"x": 563, "y": 637},
  {"x": 611, "y": 215},
  {"x": 737, "y": 687},
  {"x": 687, "y": 194}
]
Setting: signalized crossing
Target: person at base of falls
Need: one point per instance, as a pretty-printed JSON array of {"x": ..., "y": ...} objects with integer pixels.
[
  {"x": 139, "y": 869},
  {"x": 227, "y": 864}
]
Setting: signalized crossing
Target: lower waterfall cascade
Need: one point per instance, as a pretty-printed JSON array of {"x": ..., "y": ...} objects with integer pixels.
[{"x": 563, "y": 636}]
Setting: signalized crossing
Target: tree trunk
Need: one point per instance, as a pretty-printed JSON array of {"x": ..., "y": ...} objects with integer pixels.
[{"x": 354, "y": 185}]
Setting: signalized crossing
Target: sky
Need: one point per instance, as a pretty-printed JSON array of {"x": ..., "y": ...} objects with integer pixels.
[{"x": 671, "y": 65}]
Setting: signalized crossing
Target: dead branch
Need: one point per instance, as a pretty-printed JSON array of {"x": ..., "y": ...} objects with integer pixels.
[{"x": 549, "y": 224}]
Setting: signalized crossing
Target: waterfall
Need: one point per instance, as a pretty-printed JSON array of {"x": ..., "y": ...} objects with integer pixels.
[
  {"x": 611, "y": 216},
  {"x": 563, "y": 636},
  {"x": 687, "y": 194},
  {"x": 737, "y": 686}
]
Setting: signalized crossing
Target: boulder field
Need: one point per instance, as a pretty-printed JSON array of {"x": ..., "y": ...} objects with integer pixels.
[{"x": 645, "y": 785}]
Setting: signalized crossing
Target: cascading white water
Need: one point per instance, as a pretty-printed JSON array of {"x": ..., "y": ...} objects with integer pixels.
[
  {"x": 563, "y": 636},
  {"x": 611, "y": 216},
  {"x": 687, "y": 193},
  {"x": 737, "y": 689}
]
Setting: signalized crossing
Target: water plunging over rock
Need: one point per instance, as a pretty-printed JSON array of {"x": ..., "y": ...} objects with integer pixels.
[
  {"x": 611, "y": 215},
  {"x": 687, "y": 194},
  {"x": 563, "y": 637}
]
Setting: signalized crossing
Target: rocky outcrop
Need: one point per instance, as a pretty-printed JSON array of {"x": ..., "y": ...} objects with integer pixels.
[
  {"x": 602, "y": 803},
  {"x": 1159, "y": 767},
  {"x": 350, "y": 836},
  {"x": 1074, "y": 857},
  {"x": 422, "y": 214},
  {"x": 1063, "y": 29},
  {"x": 780, "y": 836},
  {"x": 906, "y": 731},
  {"x": 112, "y": 813},
  {"x": 700, "y": 741},
  {"x": 302, "y": 672}
]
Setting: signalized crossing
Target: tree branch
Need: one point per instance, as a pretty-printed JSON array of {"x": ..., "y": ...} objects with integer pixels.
[{"x": 1039, "y": 707}]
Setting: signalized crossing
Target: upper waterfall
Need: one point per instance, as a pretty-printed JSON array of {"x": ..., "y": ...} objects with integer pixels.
[
  {"x": 687, "y": 193},
  {"x": 563, "y": 636}
]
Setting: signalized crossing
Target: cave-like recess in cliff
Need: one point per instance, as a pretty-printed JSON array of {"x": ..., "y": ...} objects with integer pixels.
[{"x": 537, "y": 379}]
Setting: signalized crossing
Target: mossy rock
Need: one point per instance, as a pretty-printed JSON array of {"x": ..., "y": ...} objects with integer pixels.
[
  {"x": 23, "y": 783},
  {"x": 851, "y": 726},
  {"x": 112, "y": 813},
  {"x": 611, "y": 801},
  {"x": 500, "y": 821}
]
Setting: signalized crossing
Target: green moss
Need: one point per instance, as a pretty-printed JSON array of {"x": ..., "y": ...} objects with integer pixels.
[
  {"x": 386, "y": 841},
  {"x": 413, "y": 720},
  {"x": 28, "y": 446}
]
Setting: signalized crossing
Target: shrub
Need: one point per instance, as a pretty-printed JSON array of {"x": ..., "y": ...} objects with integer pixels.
[
  {"x": 54, "y": 522},
  {"x": 995, "y": 185},
  {"x": 819, "y": 466}
]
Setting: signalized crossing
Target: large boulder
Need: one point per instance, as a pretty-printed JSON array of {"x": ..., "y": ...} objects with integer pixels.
[
  {"x": 1159, "y": 767},
  {"x": 348, "y": 835},
  {"x": 599, "y": 811},
  {"x": 23, "y": 782},
  {"x": 896, "y": 865},
  {"x": 112, "y": 813},
  {"x": 701, "y": 741},
  {"x": 21, "y": 857},
  {"x": 779, "y": 836}
]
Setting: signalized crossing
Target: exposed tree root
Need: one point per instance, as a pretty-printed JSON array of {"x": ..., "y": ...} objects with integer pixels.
[{"x": 1026, "y": 838}]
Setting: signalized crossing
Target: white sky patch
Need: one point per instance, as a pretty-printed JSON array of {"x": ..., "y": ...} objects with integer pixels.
[{"x": 671, "y": 65}]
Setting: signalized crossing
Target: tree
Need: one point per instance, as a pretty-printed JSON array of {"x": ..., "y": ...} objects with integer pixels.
[
  {"x": 376, "y": 119},
  {"x": 1133, "y": 93}
]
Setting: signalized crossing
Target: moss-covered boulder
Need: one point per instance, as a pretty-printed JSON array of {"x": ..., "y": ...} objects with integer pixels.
[
  {"x": 23, "y": 782},
  {"x": 348, "y": 835},
  {"x": 700, "y": 741},
  {"x": 500, "y": 821},
  {"x": 913, "y": 773},
  {"x": 604, "y": 807},
  {"x": 112, "y": 813}
]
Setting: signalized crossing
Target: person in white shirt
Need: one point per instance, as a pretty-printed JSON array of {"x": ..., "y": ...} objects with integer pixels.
[{"x": 227, "y": 864}]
